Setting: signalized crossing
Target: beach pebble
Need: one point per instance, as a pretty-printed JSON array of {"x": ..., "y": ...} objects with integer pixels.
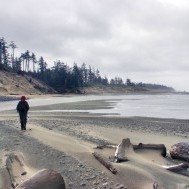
[
  {"x": 180, "y": 151},
  {"x": 121, "y": 187},
  {"x": 70, "y": 184},
  {"x": 95, "y": 183},
  {"x": 105, "y": 184},
  {"x": 91, "y": 178},
  {"x": 83, "y": 184}
]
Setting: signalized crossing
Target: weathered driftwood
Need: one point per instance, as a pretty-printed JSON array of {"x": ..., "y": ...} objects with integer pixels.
[
  {"x": 181, "y": 168},
  {"x": 180, "y": 151},
  {"x": 177, "y": 168},
  {"x": 16, "y": 169},
  {"x": 152, "y": 146},
  {"x": 105, "y": 162},
  {"x": 140, "y": 146},
  {"x": 106, "y": 146},
  {"x": 121, "y": 149},
  {"x": 155, "y": 185},
  {"x": 44, "y": 179}
]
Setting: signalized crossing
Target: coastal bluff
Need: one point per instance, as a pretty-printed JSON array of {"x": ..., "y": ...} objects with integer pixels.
[
  {"x": 18, "y": 84},
  {"x": 14, "y": 84}
]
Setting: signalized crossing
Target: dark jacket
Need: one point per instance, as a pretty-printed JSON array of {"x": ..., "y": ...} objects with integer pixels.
[{"x": 22, "y": 106}]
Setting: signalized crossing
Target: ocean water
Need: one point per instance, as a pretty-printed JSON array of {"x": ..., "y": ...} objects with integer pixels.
[{"x": 160, "y": 106}]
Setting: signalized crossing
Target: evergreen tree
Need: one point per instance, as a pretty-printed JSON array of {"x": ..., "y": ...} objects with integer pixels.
[
  {"x": 17, "y": 66},
  {"x": 84, "y": 74},
  {"x": 13, "y": 46},
  {"x": 91, "y": 76},
  {"x": 27, "y": 60},
  {"x": 77, "y": 79},
  {"x": 105, "y": 81},
  {"x": 59, "y": 76},
  {"x": 4, "y": 56},
  {"x": 112, "y": 82},
  {"x": 22, "y": 58},
  {"x": 1, "y": 52},
  {"x": 34, "y": 61},
  {"x": 42, "y": 65}
]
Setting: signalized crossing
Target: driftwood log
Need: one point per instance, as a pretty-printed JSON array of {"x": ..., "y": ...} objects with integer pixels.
[
  {"x": 180, "y": 151},
  {"x": 16, "y": 169},
  {"x": 105, "y": 162},
  {"x": 44, "y": 179},
  {"x": 152, "y": 146},
  {"x": 181, "y": 168},
  {"x": 106, "y": 146},
  {"x": 140, "y": 146},
  {"x": 177, "y": 168}
]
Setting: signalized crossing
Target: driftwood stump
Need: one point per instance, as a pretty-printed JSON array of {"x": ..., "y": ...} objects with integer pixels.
[{"x": 121, "y": 148}]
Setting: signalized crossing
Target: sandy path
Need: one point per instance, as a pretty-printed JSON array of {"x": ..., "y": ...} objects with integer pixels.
[
  {"x": 77, "y": 148},
  {"x": 60, "y": 141}
]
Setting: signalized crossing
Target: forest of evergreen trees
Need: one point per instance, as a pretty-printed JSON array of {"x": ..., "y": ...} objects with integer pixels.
[{"x": 61, "y": 77}]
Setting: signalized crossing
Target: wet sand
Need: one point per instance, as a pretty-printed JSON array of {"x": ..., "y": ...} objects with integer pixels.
[{"x": 65, "y": 141}]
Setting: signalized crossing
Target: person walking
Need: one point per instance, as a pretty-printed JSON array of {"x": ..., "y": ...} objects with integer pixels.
[{"x": 22, "y": 108}]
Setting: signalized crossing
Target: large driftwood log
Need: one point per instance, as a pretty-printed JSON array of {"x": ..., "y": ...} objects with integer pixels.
[
  {"x": 105, "y": 162},
  {"x": 140, "y": 146},
  {"x": 127, "y": 145},
  {"x": 152, "y": 146},
  {"x": 180, "y": 151},
  {"x": 44, "y": 179},
  {"x": 16, "y": 169}
]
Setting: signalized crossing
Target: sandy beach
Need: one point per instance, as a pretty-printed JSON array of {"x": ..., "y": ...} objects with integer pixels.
[{"x": 65, "y": 141}]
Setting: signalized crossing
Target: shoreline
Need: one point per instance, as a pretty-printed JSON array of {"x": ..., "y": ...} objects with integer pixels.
[
  {"x": 47, "y": 145},
  {"x": 113, "y": 105}
]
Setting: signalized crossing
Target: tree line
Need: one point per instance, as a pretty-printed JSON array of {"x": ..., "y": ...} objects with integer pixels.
[{"x": 61, "y": 77}]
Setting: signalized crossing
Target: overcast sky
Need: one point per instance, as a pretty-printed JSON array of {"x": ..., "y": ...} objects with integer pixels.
[{"x": 144, "y": 40}]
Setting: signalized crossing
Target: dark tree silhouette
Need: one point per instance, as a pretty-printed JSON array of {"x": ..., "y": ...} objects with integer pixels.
[
  {"x": 4, "y": 55},
  {"x": 42, "y": 66},
  {"x": 13, "y": 46},
  {"x": 34, "y": 61}
]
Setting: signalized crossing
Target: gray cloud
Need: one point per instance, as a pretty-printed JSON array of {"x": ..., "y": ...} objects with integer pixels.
[{"x": 146, "y": 40}]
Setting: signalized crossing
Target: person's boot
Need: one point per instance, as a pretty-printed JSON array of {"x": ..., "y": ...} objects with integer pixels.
[{"x": 22, "y": 126}]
